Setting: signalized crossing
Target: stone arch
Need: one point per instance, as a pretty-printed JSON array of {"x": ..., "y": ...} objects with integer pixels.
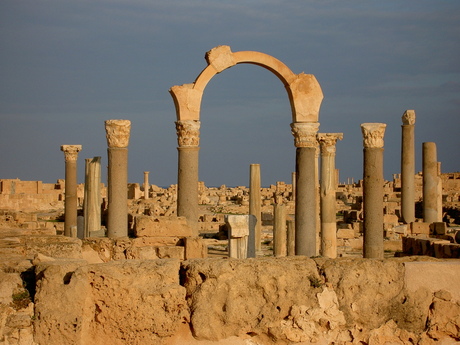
[
  {"x": 305, "y": 98},
  {"x": 304, "y": 92}
]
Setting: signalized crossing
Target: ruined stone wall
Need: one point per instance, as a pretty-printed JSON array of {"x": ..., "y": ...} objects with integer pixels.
[{"x": 261, "y": 301}]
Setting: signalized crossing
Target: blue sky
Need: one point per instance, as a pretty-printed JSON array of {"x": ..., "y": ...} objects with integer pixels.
[{"x": 66, "y": 66}]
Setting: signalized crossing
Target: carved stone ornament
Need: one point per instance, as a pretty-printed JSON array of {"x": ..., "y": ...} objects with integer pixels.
[
  {"x": 373, "y": 134},
  {"x": 188, "y": 133},
  {"x": 71, "y": 152},
  {"x": 117, "y": 133},
  {"x": 327, "y": 142},
  {"x": 305, "y": 134},
  {"x": 408, "y": 117}
]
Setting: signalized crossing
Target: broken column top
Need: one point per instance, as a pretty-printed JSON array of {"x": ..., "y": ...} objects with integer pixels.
[
  {"x": 71, "y": 151},
  {"x": 373, "y": 134},
  {"x": 408, "y": 117},
  {"x": 328, "y": 141},
  {"x": 117, "y": 133}
]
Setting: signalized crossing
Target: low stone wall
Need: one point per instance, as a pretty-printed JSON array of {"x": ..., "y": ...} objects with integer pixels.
[
  {"x": 435, "y": 247},
  {"x": 261, "y": 301}
]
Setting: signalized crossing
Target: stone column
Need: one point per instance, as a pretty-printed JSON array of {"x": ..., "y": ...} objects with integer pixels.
[
  {"x": 439, "y": 203},
  {"x": 117, "y": 133},
  {"x": 373, "y": 189},
  {"x": 279, "y": 231},
  {"x": 254, "y": 202},
  {"x": 93, "y": 199},
  {"x": 328, "y": 190},
  {"x": 146, "y": 185},
  {"x": 430, "y": 182},
  {"x": 70, "y": 203},
  {"x": 305, "y": 205},
  {"x": 188, "y": 138},
  {"x": 318, "y": 203},
  {"x": 293, "y": 178},
  {"x": 408, "y": 167}
]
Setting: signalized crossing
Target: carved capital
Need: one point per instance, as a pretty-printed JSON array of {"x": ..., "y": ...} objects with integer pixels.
[
  {"x": 71, "y": 152},
  {"x": 188, "y": 133},
  {"x": 408, "y": 117},
  {"x": 220, "y": 58},
  {"x": 117, "y": 133},
  {"x": 305, "y": 133},
  {"x": 373, "y": 134},
  {"x": 327, "y": 142}
]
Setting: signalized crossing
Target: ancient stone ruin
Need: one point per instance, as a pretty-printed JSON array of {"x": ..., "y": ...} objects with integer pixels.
[{"x": 311, "y": 260}]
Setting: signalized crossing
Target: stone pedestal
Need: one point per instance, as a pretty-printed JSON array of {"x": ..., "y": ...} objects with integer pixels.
[
  {"x": 328, "y": 189},
  {"x": 305, "y": 206},
  {"x": 255, "y": 203},
  {"x": 279, "y": 231},
  {"x": 239, "y": 227},
  {"x": 408, "y": 167},
  {"x": 93, "y": 199},
  {"x": 146, "y": 185},
  {"x": 373, "y": 189},
  {"x": 188, "y": 138},
  {"x": 117, "y": 133},
  {"x": 430, "y": 182},
  {"x": 70, "y": 203}
]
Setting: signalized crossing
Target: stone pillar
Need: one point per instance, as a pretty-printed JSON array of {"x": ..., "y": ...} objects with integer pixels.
[
  {"x": 70, "y": 203},
  {"x": 408, "y": 167},
  {"x": 146, "y": 185},
  {"x": 318, "y": 203},
  {"x": 188, "y": 138},
  {"x": 373, "y": 189},
  {"x": 293, "y": 178},
  {"x": 117, "y": 133},
  {"x": 93, "y": 198},
  {"x": 430, "y": 182},
  {"x": 254, "y": 203},
  {"x": 279, "y": 231},
  {"x": 328, "y": 190},
  {"x": 305, "y": 205}
]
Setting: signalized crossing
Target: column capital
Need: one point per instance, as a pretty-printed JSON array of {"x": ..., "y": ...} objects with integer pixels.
[
  {"x": 71, "y": 152},
  {"x": 117, "y": 133},
  {"x": 188, "y": 133},
  {"x": 408, "y": 117},
  {"x": 327, "y": 141},
  {"x": 373, "y": 134},
  {"x": 305, "y": 133}
]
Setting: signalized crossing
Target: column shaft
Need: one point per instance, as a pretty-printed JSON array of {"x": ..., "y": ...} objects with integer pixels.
[
  {"x": 92, "y": 203},
  {"x": 255, "y": 202},
  {"x": 408, "y": 174},
  {"x": 187, "y": 183},
  {"x": 279, "y": 231},
  {"x": 305, "y": 207},
  {"x": 146, "y": 185},
  {"x": 430, "y": 182},
  {"x": 117, "y": 223},
  {"x": 328, "y": 208},
  {"x": 373, "y": 202},
  {"x": 70, "y": 203}
]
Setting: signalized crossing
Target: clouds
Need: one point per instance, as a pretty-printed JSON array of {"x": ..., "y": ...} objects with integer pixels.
[{"x": 67, "y": 66}]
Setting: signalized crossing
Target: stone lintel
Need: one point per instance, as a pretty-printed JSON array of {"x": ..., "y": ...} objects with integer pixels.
[
  {"x": 408, "y": 117},
  {"x": 117, "y": 133},
  {"x": 188, "y": 133},
  {"x": 327, "y": 141},
  {"x": 305, "y": 134},
  {"x": 220, "y": 58},
  {"x": 373, "y": 134},
  {"x": 71, "y": 151}
]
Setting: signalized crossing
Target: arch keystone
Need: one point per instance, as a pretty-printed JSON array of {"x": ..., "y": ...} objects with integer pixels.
[{"x": 220, "y": 58}]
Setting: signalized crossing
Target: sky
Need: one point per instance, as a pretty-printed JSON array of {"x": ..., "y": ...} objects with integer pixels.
[{"x": 67, "y": 66}]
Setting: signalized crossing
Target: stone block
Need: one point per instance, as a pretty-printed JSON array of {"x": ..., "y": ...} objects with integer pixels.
[
  {"x": 400, "y": 229},
  {"x": 195, "y": 247},
  {"x": 438, "y": 228},
  {"x": 392, "y": 245},
  {"x": 171, "y": 252},
  {"x": 147, "y": 226},
  {"x": 345, "y": 233},
  {"x": 155, "y": 241},
  {"x": 420, "y": 228}
]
